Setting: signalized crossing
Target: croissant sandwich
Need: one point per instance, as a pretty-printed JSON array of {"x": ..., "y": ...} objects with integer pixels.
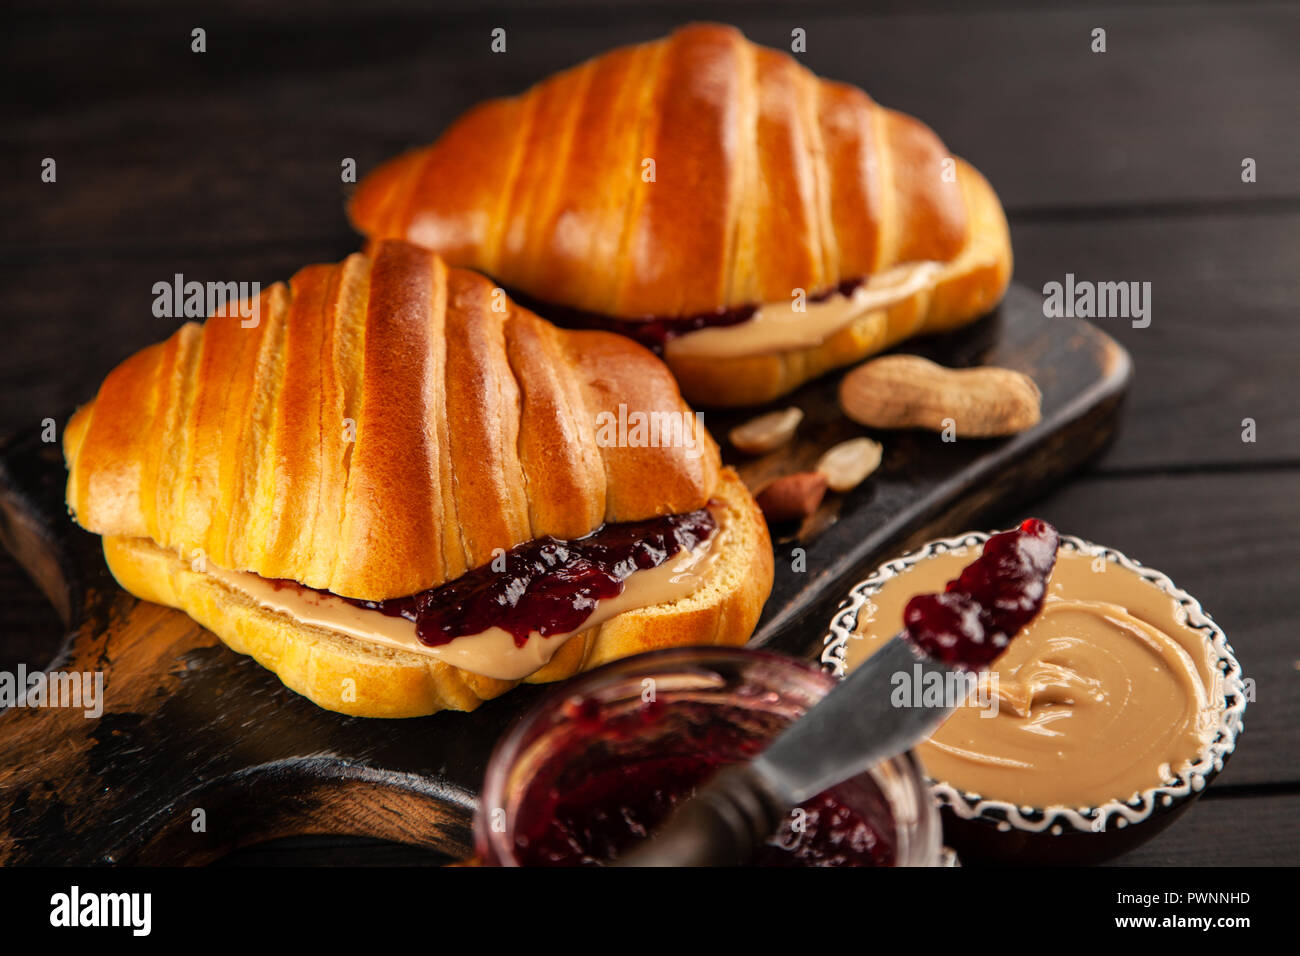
[
  {"x": 714, "y": 200},
  {"x": 403, "y": 493}
]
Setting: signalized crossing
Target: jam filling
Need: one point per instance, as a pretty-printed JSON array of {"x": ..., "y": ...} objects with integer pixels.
[
  {"x": 546, "y": 586},
  {"x": 971, "y": 622},
  {"x": 654, "y": 332},
  {"x": 620, "y": 789}
]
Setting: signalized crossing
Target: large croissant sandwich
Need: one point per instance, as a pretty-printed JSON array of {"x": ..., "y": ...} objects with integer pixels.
[
  {"x": 711, "y": 198},
  {"x": 402, "y": 493}
]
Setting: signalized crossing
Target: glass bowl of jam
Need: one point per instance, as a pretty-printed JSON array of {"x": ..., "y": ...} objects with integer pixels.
[{"x": 599, "y": 764}]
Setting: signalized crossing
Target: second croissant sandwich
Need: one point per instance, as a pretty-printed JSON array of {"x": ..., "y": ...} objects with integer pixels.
[
  {"x": 403, "y": 493},
  {"x": 713, "y": 199}
]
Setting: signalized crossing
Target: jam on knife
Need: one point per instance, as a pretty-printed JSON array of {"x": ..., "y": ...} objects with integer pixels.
[{"x": 971, "y": 622}]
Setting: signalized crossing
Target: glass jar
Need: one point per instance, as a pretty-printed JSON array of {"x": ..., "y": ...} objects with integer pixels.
[{"x": 660, "y": 709}]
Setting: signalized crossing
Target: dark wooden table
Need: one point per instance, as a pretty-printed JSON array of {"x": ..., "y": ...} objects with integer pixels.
[{"x": 1116, "y": 166}]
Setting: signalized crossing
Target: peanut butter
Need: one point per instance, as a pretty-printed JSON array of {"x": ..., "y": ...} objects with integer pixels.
[
  {"x": 1106, "y": 693},
  {"x": 493, "y": 652},
  {"x": 777, "y": 327}
]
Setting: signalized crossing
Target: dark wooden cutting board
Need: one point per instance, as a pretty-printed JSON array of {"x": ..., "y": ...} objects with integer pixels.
[{"x": 190, "y": 726}]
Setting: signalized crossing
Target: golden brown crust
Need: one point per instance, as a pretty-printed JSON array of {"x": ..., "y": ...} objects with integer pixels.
[
  {"x": 386, "y": 424},
  {"x": 349, "y": 676},
  {"x": 765, "y": 179},
  {"x": 968, "y": 287}
]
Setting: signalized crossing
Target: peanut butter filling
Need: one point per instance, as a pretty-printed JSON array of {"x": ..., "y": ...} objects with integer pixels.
[
  {"x": 492, "y": 653},
  {"x": 777, "y": 327},
  {"x": 1106, "y": 693}
]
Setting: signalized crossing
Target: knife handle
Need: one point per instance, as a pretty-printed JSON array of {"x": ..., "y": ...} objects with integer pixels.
[{"x": 721, "y": 825}]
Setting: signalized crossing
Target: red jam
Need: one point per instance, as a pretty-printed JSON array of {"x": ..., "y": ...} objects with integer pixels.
[
  {"x": 654, "y": 332},
  {"x": 971, "y": 622},
  {"x": 609, "y": 789},
  {"x": 546, "y": 586}
]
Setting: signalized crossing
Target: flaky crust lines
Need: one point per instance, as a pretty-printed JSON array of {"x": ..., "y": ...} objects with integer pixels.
[
  {"x": 766, "y": 178},
  {"x": 343, "y": 674},
  {"x": 387, "y": 424},
  {"x": 966, "y": 289}
]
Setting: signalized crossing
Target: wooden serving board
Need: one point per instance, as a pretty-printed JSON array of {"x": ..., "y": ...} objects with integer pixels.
[{"x": 200, "y": 750}]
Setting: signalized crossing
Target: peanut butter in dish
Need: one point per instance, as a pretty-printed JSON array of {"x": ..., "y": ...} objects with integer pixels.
[{"x": 1106, "y": 693}]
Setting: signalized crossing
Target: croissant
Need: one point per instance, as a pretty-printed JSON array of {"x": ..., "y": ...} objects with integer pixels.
[
  {"x": 713, "y": 199},
  {"x": 392, "y": 449}
]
